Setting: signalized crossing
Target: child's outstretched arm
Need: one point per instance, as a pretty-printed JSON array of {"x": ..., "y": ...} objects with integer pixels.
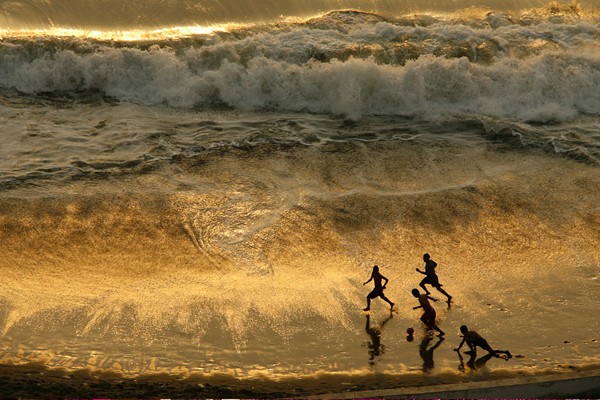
[{"x": 461, "y": 344}]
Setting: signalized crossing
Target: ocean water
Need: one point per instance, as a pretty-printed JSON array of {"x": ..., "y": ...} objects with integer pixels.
[{"x": 201, "y": 188}]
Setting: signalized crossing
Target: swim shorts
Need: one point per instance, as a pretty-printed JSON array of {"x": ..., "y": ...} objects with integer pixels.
[
  {"x": 377, "y": 292},
  {"x": 432, "y": 280}
]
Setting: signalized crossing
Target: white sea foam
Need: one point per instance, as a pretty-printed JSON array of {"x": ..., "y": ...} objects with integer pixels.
[{"x": 543, "y": 72}]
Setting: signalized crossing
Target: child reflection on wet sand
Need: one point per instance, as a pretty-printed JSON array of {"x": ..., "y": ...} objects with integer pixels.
[
  {"x": 473, "y": 363},
  {"x": 375, "y": 347},
  {"x": 427, "y": 353}
]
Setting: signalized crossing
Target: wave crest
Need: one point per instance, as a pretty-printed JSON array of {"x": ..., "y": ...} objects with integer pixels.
[{"x": 347, "y": 63}]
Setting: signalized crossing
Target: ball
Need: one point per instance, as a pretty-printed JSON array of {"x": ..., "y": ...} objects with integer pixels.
[{"x": 410, "y": 331}]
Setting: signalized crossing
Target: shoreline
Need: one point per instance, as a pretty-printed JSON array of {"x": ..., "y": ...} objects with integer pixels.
[
  {"x": 581, "y": 384},
  {"x": 36, "y": 380}
]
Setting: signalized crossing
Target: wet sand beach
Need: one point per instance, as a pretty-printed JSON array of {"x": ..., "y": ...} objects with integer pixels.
[
  {"x": 580, "y": 384},
  {"x": 38, "y": 381}
]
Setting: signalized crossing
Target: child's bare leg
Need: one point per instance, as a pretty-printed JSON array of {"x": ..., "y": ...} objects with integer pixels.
[
  {"x": 505, "y": 352},
  {"x": 391, "y": 303},
  {"x": 439, "y": 288}
]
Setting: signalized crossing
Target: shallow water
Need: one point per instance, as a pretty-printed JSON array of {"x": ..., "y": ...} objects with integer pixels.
[
  {"x": 211, "y": 205},
  {"x": 251, "y": 258}
]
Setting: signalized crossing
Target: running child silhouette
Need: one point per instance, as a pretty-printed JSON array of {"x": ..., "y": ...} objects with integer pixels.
[
  {"x": 429, "y": 314},
  {"x": 377, "y": 291},
  {"x": 431, "y": 277}
]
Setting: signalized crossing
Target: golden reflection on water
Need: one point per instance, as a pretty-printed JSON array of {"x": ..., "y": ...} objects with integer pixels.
[
  {"x": 132, "y": 35},
  {"x": 120, "y": 282}
]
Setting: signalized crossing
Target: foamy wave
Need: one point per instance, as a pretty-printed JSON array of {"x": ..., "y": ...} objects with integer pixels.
[{"x": 541, "y": 72}]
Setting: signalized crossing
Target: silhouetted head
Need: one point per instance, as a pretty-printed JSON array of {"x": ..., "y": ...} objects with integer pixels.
[
  {"x": 375, "y": 268},
  {"x": 425, "y": 256},
  {"x": 415, "y": 292},
  {"x": 464, "y": 329}
]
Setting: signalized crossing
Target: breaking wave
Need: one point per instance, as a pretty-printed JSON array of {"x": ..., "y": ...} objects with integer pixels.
[{"x": 542, "y": 68}]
